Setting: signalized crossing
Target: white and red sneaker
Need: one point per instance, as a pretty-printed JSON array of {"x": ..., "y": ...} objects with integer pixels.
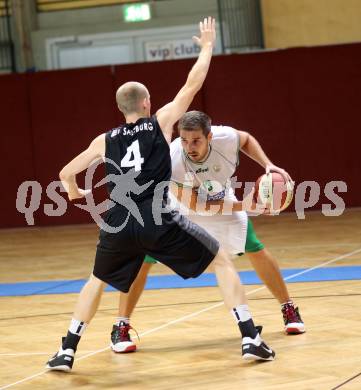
[
  {"x": 292, "y": 319},
  {"x": 121, "y": 342}
]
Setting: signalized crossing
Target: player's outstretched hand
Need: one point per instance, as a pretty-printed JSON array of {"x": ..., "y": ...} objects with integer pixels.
[
  {"x": 207, "y": 30},
  {"x": 274, "y": 168}
]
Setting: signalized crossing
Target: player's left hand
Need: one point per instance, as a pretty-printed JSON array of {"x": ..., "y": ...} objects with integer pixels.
[
  {"x": 207, "y": 30},
  {"x": 274, "y": 168}
]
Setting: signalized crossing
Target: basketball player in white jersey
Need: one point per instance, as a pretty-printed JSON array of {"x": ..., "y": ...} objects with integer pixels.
[{"x": 204, "y": 158}]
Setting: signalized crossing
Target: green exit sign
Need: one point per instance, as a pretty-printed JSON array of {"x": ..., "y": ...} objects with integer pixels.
[{"x": 136, "y": 12}]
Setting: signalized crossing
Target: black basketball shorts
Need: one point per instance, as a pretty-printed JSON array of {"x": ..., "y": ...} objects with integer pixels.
[{"x": 178, "y": 243}]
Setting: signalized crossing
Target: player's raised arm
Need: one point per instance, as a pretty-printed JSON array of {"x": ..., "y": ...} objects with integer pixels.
[
  {"x": 81, "y": 162},
  {"x": 170, "y": 113}
]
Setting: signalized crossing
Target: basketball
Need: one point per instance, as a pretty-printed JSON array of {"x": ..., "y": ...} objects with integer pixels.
[{"x": 272, "y": 190}]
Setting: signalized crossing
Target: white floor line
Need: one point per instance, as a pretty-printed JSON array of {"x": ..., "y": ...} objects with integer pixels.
[
  {"x": 24, "y": 380},
  {"x": 323, "y": 264},
  {"x": 189, "y": 316}
]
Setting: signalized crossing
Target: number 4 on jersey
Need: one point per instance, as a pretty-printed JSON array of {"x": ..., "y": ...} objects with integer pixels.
[{"x": 137, "y": 161}]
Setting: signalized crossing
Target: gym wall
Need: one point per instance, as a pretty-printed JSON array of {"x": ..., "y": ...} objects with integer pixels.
[
  {"x": 289, "y": 23},
  {"x": 301, "y": 104}
]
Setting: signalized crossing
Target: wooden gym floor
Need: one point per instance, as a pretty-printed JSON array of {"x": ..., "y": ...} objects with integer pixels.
[{"x": 188, "y": 339}]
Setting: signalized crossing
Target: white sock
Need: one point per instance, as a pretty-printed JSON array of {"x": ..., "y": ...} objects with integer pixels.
[
  {"x": 241, "y": 313},
  {"x": 77, "y": 327},
  {"x": 122, "y": 319}
]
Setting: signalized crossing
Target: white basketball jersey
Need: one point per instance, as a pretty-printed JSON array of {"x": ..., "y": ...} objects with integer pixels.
[
  {"x": 212, "y": 179},
  {"x": 212, "y": 176}
]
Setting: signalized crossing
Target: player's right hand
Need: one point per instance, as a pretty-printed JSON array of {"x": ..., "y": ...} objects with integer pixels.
[
  {"x": 252, "y": 206},
  {"x": 207, "y": 30}
]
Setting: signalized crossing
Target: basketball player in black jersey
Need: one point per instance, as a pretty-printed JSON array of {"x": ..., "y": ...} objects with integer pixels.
[{"x": 137, "y": 166}]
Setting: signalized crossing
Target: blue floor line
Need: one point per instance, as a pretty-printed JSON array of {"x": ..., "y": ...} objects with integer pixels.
[
  {"x": 174, "y": 281},
  {"x": 65, "y": 284}
]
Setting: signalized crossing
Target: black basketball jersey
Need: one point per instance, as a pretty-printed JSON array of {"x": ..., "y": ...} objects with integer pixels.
[{"x": 137, "y": 160}]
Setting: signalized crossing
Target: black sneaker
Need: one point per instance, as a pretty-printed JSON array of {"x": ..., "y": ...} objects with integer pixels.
[
  {"x": 292, "y": 319},
  {"x": 259, "y": 329},
  {"x": 62, "y": 361},
  {"x": 256, "y": 349},
  {"x": 121, "y": 341}
]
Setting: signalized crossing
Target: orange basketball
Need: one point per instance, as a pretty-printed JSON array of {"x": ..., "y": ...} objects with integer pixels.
[{"x": 274, "y": 192}]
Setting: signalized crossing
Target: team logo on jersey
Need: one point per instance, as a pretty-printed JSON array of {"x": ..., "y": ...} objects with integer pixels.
[
  {"x": 202, "y": 170},
  {"x": 212, "y": 190},
  {"x": 218, "y": 196},
  {"x": 207, "y": 184}
]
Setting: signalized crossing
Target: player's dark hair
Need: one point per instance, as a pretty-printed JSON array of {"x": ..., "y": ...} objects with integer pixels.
[{"x": 195, "y": 120}]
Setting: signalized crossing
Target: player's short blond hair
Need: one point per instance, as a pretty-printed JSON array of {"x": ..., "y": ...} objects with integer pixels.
[{"x": 130, "y": 95}]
